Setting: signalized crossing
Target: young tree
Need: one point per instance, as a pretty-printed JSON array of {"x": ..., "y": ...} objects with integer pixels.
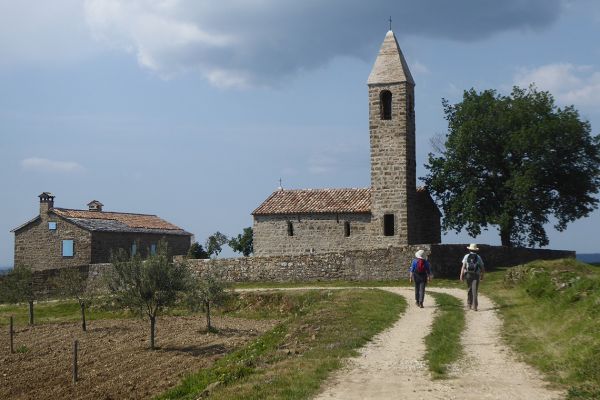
[
  {"x": 149, "y": 285},
  {"x": 19, "y": 288},
  {"x": 513, "y": 161},
  {"x": 243, "y": 242},
  {"x": 197, "y": 251},
  {"x": 214, "y": 243},
  {"x": 71, "y": 283},
  {"x": 205, "y": 292}
]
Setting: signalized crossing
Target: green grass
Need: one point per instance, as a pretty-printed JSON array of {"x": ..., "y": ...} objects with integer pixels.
[
  {"x": 551, "y": 314},
  {"x": 443, "y": 342},
  {"x": 292, "y": 360},
  {"x": 46, "y": 312}
]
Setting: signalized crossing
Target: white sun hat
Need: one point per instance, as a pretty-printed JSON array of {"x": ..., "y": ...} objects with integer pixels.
[
  {"x": 473, "y": 247},
  {"x": 420, "y": 254}
]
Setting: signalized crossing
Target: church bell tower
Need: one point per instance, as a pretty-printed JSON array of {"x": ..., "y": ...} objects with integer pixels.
[{"x": 392, "y": 137}]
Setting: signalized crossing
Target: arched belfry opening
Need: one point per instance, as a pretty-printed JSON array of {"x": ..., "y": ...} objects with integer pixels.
[{"x": 385, "y": 101}]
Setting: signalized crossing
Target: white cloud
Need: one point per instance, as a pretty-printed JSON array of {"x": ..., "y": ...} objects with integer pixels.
[
  {"x": 45, "y": 165},
  {"x": 570, "y": 84}
]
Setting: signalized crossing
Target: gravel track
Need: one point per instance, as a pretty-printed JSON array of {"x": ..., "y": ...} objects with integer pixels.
[{"x": 391, "y": 366}]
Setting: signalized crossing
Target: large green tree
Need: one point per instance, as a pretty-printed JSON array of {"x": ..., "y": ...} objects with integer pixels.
[
  {"x": 214, "y": 243},
  {"x": 514, "y": 162}
]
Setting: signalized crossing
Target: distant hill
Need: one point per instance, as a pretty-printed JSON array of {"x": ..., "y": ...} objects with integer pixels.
[{"x": 589, "y": 257}]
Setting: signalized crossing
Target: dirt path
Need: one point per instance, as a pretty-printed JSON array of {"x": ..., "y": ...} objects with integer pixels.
[{"x": 392, "y": 367}]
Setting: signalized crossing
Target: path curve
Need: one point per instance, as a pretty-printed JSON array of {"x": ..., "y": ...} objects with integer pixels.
[{"x": 391, "y": 366}]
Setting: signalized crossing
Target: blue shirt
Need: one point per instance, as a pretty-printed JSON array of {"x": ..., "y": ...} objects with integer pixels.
[{"x": 413, "y": 266}]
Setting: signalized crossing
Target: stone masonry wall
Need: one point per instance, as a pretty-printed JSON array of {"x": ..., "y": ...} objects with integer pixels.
[
  {"x": 393, "y": 161},
  {"x": 40, "y": 248},
  {"x": 105, "y": 242},
  {"x": 360, "y": 265},
  {"x": 364, "y": 265}
]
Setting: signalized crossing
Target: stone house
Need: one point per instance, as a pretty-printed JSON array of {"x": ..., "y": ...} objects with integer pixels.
[
  {"x": 61, "y": 237},
  {"x": 392, "y": 212}
]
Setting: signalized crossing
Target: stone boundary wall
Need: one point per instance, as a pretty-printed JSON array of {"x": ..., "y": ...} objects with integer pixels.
[
  {"x": 365, "y": 265},
  {"x": 359, "y": 265}
]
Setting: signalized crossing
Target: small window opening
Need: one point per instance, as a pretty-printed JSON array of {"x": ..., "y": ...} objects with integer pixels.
[
  {"x": 153, "y": 249},
  {"x": 67, "y": 248},
  {"x": 133, "y": 249},
  {"x": 52, "y": 226},
  {"x": 385, "y": 102},
  {"x": 347, "y": 228},
  {"x": 290, "y": 228},
  {"x": 388, "y": 225}
]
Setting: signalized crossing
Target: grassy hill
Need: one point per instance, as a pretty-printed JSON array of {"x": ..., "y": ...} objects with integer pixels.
[{"x": 551, "y": 312}]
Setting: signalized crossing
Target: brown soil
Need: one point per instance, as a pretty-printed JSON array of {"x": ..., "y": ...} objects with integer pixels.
[{"x": 114, "y": 359}]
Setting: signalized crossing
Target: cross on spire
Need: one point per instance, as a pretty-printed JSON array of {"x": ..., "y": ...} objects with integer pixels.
[{"x": 390, "y": 22}]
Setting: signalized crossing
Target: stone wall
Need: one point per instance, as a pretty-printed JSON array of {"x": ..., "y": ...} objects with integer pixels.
[
  {"x": 360, "y": 265},
  {"x": 393, "y": 178},
  {"x": 105, "y": 242},
  {"x": 364, "y": 265},
  {"x": 39, "y": 248}
]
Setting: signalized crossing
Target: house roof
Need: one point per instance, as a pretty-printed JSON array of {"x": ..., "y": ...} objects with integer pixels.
[
  {"x": 305, "y": 201},
  {"x": 107, "y": 221}
]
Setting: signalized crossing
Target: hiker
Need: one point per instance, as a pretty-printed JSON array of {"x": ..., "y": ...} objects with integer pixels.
[
  {"x": 420, "y": 273},
  {"x": 472, "y": 270}
]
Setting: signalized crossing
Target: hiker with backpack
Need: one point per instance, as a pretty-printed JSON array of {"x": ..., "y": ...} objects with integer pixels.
[
  {"x": 420, "y": 273},
  {"x": 472, "y": 270}
]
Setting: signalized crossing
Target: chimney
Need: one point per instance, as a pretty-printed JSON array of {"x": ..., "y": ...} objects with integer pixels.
[
  {"x": 95, "y": 205},
  {"x": 46, "y": 202}
]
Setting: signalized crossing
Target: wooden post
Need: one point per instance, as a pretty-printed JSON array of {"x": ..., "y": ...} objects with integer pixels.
[
  {"x": 11, "y": 333},
  {"x": 30, "y": 312},
  {"x": 75, "y": 343}
]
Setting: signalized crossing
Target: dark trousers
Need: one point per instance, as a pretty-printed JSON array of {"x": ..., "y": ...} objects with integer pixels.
[
  {"x": 420, "y": 283},
  {"x": 472, "y": 288}
]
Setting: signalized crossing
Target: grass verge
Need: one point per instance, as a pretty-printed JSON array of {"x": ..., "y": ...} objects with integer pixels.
[
  {"x": 443, "y": 346},
  {"x": 292, "y": 360},
  {"x": 551, "y": 314}
]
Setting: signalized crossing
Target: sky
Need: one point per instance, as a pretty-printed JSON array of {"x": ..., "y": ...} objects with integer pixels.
[{"x": 194, "y": 110}]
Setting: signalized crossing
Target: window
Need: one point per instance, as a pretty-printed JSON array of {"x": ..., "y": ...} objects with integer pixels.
[
  {"x": 385, "y": 104},
  {"x": 153, "y": 249},
  {"x": 52, "y": 226},
  {"x": 133, "y": 249},
  {"x": 347, "y": 228},
  {"x": 388, "y": 225},
  {"x": 290, "y": 228},
  {"x": 67, "y": 248}
]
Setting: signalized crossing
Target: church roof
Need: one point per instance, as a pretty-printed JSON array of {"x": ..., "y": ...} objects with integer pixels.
[
  {"x": 312, "y": 201},
  {"x": 390, "y": 65}
]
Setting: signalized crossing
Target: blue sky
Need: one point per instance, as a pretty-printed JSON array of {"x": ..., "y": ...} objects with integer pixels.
[{"x": 194, "y": 110}]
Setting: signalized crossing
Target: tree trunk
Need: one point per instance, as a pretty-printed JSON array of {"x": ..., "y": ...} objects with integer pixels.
[
  {"x": 30, "y": 312},
  {"x": 152, "y": 325},
  {"x": 82, "y": 304},
  {"x": 208, "y": 327},
  {"x": 505, "y": 237}
]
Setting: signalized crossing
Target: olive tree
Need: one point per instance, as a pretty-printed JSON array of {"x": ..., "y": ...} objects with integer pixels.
[
  {"x": 72, "y": 283},
  {"x": 147, "y": 285}
]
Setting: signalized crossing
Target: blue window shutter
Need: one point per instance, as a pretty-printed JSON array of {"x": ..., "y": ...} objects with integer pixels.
[{"x": 67, "y": 248}]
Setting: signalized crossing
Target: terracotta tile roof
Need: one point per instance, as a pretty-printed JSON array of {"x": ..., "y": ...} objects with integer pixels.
[
  {"x": 118, "y": 222},
  {"x": 316, "y": 201}
]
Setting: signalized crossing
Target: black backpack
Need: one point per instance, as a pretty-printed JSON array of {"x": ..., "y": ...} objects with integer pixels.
[{"x": 472, "y": 264}]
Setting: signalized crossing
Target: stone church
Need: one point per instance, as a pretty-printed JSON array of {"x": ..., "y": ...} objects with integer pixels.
[{"x": 392, "y": 212}]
